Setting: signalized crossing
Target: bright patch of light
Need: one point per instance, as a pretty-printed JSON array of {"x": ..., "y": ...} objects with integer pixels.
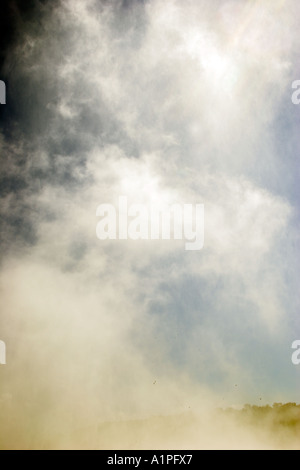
[{"x": 219, "y": 68}]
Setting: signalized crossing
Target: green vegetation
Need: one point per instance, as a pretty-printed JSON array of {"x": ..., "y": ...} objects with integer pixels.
[{"x": 281, "y": 421}]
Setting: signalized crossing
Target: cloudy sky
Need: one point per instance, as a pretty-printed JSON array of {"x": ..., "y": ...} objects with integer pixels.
[{"x": 165, "y": 101}]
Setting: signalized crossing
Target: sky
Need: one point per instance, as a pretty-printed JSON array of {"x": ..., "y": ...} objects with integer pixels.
[{"x": 165, "y": 101}]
